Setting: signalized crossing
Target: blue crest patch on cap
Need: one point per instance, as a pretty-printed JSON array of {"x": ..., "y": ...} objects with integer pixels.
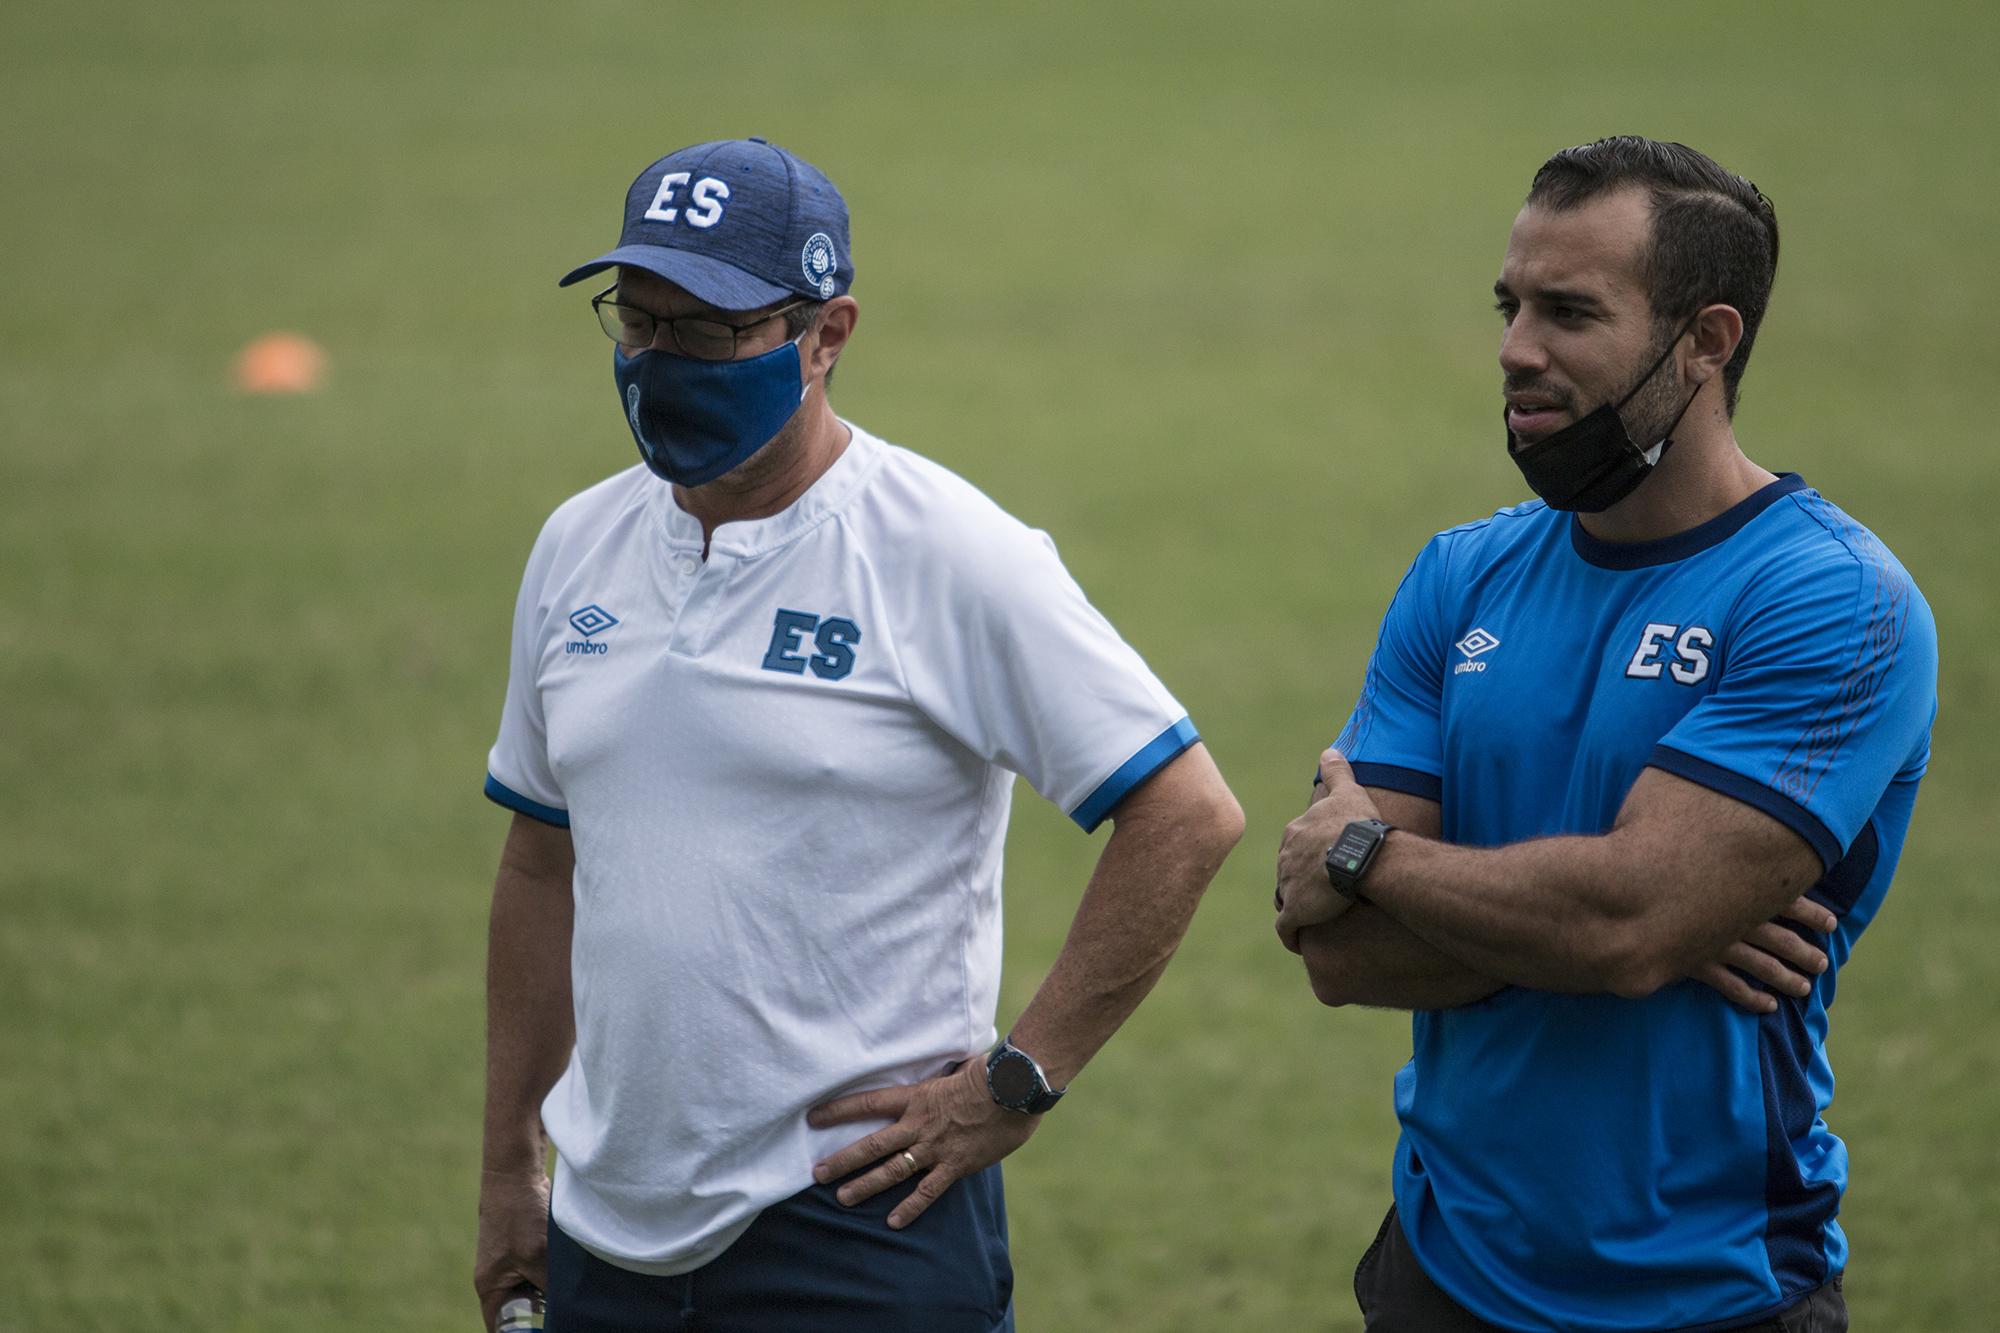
[{"x": 819, "y": 262}]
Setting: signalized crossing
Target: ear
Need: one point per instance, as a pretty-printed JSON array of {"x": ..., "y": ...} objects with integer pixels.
[
  {"x": 1715, "y": 332},
  {"x": 830, "y": 334}
]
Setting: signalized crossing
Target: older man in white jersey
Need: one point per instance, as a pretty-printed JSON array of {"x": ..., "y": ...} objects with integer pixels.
[{"x": 768, "y": 695}]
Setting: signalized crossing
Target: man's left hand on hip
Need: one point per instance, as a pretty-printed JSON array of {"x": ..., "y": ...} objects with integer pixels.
[{"x": 946, "y": 1128}]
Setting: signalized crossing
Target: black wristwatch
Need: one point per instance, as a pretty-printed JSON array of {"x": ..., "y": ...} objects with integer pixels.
[
  {"x": 1349, "y": 858},
  {"x": 1017, "y": 1082}
]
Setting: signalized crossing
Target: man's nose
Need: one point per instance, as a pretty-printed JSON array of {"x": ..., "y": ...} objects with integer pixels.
[{"x": 1521, "y": 352}]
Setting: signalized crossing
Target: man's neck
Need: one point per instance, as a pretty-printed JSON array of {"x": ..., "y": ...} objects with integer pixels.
[
  {"x": 761, "y": 491},
  {"x": 1703, "y": 475}
]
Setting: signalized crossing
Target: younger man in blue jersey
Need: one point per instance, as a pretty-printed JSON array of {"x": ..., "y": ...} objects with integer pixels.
[{"x": 1619, "y": 732}]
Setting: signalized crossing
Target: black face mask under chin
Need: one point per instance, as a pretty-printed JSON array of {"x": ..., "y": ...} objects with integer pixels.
[{"x": 1592, "y": 464}]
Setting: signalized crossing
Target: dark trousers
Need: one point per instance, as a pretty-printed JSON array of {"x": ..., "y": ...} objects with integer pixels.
[
  {"x": 1397, "y": 1296},
  {"x": 809, "y": 1263}
]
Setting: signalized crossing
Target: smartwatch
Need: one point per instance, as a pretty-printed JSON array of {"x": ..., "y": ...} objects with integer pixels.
[
  {"x": 1351, "y": 855},
  {"x": 1017, "y": 1082}
]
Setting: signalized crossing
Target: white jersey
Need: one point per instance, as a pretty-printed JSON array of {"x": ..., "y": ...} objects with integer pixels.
[{"x": 787, "y": 771}]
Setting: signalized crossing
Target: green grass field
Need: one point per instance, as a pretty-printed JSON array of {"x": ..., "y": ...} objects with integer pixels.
[{"x": 1201, "y": 290}]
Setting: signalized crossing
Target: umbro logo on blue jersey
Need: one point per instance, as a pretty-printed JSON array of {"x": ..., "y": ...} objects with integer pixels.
[
  {"x": 1472, "y": 645},
  {"x": 588, "y": 621}
]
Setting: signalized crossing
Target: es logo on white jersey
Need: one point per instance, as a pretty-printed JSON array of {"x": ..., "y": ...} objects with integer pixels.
[
  {"x": 1690, "y": 662},
  {"x": 704, "y": 201}
]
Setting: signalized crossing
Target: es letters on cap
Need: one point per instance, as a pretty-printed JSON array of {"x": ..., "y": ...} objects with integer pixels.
[{"x": 703, "y": 207}]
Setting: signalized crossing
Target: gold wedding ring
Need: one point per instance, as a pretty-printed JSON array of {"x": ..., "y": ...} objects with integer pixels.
[{"x": 910, "y": 1160}]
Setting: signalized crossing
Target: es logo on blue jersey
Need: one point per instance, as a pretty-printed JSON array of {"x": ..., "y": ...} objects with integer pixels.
[
  {"x": 833, "y": 636},
  {"x": 1690, "y": 664}
]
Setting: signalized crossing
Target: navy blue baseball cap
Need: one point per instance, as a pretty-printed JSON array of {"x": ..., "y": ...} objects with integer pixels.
[{"x": 738, "y": 223}]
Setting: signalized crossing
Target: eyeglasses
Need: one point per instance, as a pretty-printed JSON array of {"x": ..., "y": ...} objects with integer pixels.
[{"x": 702, "y": 338}]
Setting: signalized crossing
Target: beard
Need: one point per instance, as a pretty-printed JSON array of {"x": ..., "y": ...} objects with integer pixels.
[
  {"x": 1655, "y": 407},
  {"x": 1652, "y": 404}
]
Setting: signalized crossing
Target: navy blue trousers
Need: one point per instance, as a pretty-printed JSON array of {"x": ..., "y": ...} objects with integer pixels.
[{"x": 809, "y": 1263}]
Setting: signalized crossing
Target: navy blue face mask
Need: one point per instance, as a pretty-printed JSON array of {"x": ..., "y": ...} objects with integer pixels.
[{"x": 695, "y": 420}]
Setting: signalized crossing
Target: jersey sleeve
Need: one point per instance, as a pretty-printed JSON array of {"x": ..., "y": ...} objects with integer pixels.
[
  {"x": 1008, "y": 656},
  {"x": 1394, "y": 738},
  {"x": 518, "y": 774},
  {"x": 1827, "y": 691}
]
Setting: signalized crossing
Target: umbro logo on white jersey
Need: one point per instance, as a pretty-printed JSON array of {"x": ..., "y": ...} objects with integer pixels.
[
  {"x": 589, "y": 621},
  {"x": 1473, "y": 645}
]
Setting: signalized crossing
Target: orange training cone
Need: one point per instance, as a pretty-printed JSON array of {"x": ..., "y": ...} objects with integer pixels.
[{"x": 280, "y": 363}]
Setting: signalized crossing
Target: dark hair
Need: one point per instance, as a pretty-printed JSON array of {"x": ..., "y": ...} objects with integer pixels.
[
  {"x": 1714, "y": 234},
  {"x": 799, "y": 319}
]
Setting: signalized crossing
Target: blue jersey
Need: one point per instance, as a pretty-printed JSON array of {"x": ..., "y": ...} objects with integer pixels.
[{"x": 1586, "y": 1162}]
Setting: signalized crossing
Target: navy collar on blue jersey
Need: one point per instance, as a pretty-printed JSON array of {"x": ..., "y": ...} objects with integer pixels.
[{"x": 1639, "y": 555}]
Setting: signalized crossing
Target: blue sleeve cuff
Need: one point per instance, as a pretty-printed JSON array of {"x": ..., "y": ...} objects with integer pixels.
[
  {"x": 500, "y": 793},
  {"x": 1752, "y": 793},
  {"x": 1392, "y": 777},
  {"x": 1152, "y": 757}
]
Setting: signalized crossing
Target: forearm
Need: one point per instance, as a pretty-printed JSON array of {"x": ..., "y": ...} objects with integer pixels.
[
  {"x": 1684, "y": 874},
  {"x": 1365, "y": 956},
  {"x": 1560, "y": 914},
  {"x": 1141, "y": 897},
  {"x": 530, "y": 1026}
]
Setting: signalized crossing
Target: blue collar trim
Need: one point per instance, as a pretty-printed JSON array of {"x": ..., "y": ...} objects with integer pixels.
[{"x": 1640, "y": 555}]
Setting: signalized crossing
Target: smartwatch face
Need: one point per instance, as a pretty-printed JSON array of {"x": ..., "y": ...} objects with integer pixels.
[
  {"x": 1350, "y": 851},
  {"x": 1014, "y": 1080}
]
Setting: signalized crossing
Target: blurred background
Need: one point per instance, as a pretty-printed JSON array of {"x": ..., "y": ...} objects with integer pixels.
[{"x": 1202, "y": 290}]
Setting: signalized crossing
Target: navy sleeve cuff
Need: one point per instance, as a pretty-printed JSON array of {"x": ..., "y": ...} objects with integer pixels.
[
  {"x": 1752, "y": 793},
  {"x": 500, "y": 793},
  {"x": 1393, "y": 777},
  {"x": 1152, "y": 757}
]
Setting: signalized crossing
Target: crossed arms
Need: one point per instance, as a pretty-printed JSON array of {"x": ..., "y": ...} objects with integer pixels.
[{"x": 1687, "y": 883}]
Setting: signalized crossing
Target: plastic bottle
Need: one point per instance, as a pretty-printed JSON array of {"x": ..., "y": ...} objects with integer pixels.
[{"x": 521, "y": 1312}]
